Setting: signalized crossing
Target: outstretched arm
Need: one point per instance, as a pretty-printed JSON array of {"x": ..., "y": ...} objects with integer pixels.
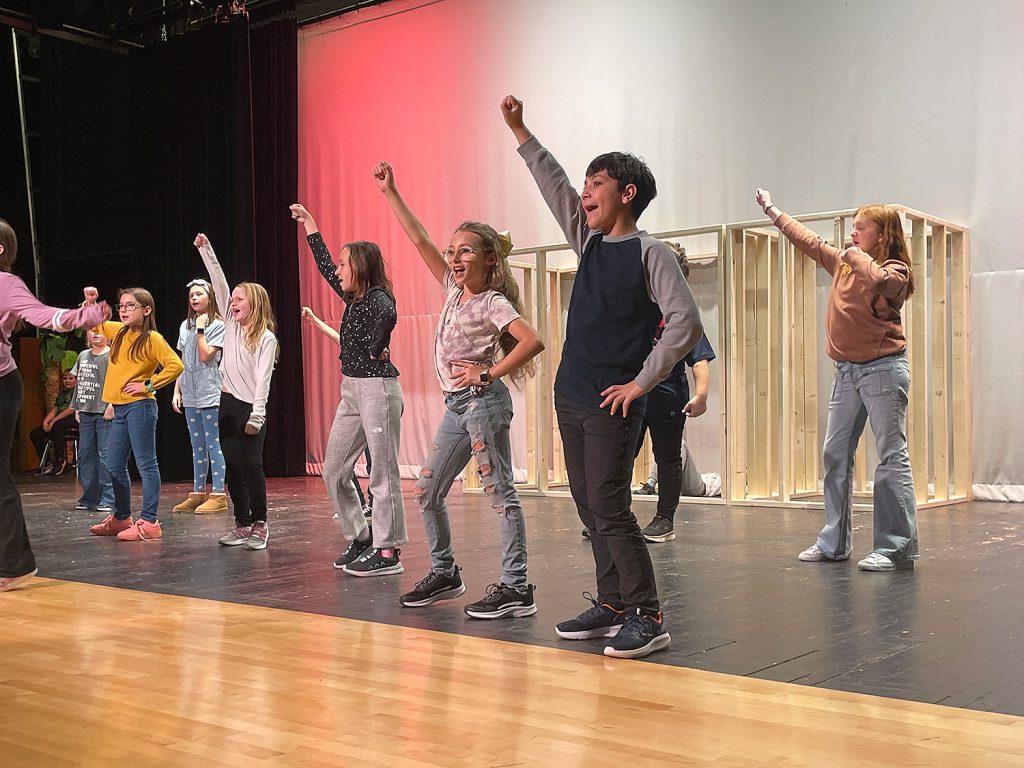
[
  {"x": 416, "y": 232},
  {"x": 321, "y": 254},
  {"x": 23, "y": 303},
  {"x": 310, "y": 317},
  {"x": 561, "y": 198},
  {"x": 805, "y": 240},
  {"x": 220, "y": 283}
]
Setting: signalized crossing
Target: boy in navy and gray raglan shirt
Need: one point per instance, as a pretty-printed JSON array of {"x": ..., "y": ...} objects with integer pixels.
[{"x": 626, "y": 282}]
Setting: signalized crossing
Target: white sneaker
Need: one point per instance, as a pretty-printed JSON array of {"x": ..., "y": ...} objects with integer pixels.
[
  {"x": 813, "y": 554},
  {"x": 876, "y": 561},
  {"x": 712, "y": 484}
]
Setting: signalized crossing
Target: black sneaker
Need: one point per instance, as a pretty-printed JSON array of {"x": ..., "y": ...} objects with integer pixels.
[
  {"x": 600, "y": 621},
  {"x": 640, "y": 635},
  {"x": 503, "y": 600},
  {"x": 373, "y": 563},
  {"x": 436, "y": 585},
  {"x": 355, "y": 549},
  {"x": 647, "y": 489},
  {"x": 585, "y": 533},
  {"x": 659, "y": 530}
]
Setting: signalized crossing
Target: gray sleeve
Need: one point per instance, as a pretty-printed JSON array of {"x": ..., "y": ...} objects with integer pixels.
[
  {"x": 558, "y": 193},
  {"x": 683, "y": 329}
]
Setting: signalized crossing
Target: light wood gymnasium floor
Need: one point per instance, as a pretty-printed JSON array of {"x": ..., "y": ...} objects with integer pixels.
[{"x": 96, "y": 674}]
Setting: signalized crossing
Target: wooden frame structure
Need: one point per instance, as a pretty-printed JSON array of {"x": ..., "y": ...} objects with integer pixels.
[{"x": 770, "y": 301}]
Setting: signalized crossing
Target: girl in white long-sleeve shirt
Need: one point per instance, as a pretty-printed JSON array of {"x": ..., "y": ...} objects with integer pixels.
[{"x": 247, "y": 365}]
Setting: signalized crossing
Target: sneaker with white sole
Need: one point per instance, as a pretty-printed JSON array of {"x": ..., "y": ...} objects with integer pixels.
[
  {"x": 660, "y": 530},
  {"x": 600, "y": 620},
  {"x": 876, "y": 561},
  {"x": 258, "y": 536},
  {"x": 815, "y": 554},
  {"x": 7, "y": 583},
  {"x": 373, "y": 563},
  {"x": 237, "y": 537},
  {"x": 435, "y": 586},
  {"x": 641, "y": 634},
  {"x": 356, "y": 549},
  {"x": 712, "y": 484},
  {"x": 503, "y": 600}
]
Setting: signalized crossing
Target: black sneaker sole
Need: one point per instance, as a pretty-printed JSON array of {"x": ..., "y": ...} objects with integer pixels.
[
  {"x": 515, "y": 611},
  {"x": 657, "y": 643},
  {"x": 589, "y": 634},
  {"x": 385, "y": 571},
  {"x": 448, "y": 594}
]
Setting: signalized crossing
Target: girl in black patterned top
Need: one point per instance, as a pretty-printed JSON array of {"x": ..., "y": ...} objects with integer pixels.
[{"x": 369, "y": 414}]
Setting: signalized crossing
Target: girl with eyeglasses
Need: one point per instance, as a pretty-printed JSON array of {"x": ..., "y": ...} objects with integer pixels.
[
  {"x": 197, "y": 392},
  {"x": 17, "y": 562},
  {"x": 370, "y": 411},
  {"x": 481, "y": 337},
  {"x": 140, "y": 362},
  {"x": 247, "y": 364}
]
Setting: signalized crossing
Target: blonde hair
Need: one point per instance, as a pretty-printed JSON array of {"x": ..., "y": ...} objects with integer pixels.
[
  {"x": 138, "y": 348},
  {"x": 501, "y": 279},
  {"x": 261, "y": 315},
  {"x": 892, "y": 244}
]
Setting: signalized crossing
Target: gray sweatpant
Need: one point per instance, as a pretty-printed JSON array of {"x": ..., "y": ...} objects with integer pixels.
[{"x": 369, "y": 415}]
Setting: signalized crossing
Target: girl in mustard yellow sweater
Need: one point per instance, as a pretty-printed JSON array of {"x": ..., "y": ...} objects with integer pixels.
[{"x": 141, "y": 362}]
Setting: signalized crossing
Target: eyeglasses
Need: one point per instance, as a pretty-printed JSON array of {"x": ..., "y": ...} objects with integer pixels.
[
  {"x": 462, "y": 253},
  {"x": 128, "y": 307}
]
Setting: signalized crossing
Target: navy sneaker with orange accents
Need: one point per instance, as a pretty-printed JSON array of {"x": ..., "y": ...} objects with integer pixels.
[
  {"x": 641, "y": 634},
  {"x": 601, "y": 620}
]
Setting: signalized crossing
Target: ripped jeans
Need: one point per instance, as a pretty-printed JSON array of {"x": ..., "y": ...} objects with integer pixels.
[{"x": 476, "y": 423}]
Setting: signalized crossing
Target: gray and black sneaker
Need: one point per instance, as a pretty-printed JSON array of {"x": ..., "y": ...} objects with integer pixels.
[
  {"x": 641, "y": 634},
  {"x": 435, "y": 586},
  {"x": 647, "y": 489},
  {"x": 599, "y": 621},
  {"x": 355, "y": 550},
  {"x": 659, "y": 530},
  {"x": 373, "y": 563},
  {"x": 503, "y": 600}
]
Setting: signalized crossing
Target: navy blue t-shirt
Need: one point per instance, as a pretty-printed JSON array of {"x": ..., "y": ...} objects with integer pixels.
[{"x": 673, "y": 392}]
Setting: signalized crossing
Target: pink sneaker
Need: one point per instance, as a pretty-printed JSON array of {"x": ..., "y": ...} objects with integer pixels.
[
  {"x": 110, "y": 526},
  {"x": 13, "y": 582},
  {"x": 141, "y": 530}
]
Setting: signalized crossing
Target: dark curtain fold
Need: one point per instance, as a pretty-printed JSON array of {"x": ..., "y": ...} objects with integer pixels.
[{"x": 209, "y": 156}]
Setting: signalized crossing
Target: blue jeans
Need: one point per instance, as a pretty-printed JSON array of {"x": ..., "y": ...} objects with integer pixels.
[
  {"x": 475, "y": 423},
  {"x": 134, "y": 429},
  {"x": 878, "y": 391},
  {"x": 93, "y": 432},
  {"x": 204, "y": 432}
]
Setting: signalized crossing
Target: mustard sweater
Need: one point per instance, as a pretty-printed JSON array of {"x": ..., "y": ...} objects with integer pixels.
[{"x": 157, "y": 356}]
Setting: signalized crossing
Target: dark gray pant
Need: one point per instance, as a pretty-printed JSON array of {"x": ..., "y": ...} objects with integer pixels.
[
  {"x": 16, "y": 557},
  {"x": 598, "y": 449}
]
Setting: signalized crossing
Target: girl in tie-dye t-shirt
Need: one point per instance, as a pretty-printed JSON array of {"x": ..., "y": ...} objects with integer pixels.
[{"x": 481, "y": 338}]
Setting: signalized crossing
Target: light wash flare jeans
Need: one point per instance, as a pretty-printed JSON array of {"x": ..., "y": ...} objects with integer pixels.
[
  {"x": 475, "y": 423},
  {"x": 878, "y": 391}
]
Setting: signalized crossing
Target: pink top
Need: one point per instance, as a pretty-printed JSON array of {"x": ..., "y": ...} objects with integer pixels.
[{"x": 17, "y": 302}]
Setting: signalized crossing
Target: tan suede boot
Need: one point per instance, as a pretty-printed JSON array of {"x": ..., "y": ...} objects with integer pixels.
[
  {"x": 190, "y": 504},
  {"x": 215, "y": 502}
]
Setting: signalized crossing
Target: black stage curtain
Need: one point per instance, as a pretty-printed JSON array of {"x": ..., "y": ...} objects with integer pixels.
[{"x": 214, "y": 150}]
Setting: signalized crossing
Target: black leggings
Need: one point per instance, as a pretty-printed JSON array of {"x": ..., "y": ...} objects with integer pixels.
[
  {"x": 243, "y": 455},
  {"x": 16, "y": 557}
]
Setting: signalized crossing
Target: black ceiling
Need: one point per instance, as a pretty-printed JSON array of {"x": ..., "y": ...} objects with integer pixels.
[{"x": 142, "y": 21}]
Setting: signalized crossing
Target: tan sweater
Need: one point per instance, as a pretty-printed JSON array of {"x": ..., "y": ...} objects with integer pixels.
[{"x": 862, "y": 321}]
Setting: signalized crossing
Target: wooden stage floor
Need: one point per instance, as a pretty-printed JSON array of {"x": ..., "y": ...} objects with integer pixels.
[{"x": 112, "y": 660}]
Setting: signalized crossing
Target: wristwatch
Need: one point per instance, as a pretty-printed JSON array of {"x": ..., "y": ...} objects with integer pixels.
[
  {"x": 148, "y": 384},
  {"x": 485, "y": 377},
  {"x": 200, "y": 330}
]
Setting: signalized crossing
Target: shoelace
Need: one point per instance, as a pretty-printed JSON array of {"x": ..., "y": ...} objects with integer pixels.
[{"x": 494, "y": 592}]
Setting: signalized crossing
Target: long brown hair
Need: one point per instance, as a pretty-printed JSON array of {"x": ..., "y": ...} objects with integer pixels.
[
  {"x": 368, "y": 269},
  {"x": 137, "y": 351},
  {"x": 892, "y": 244},
  {"x": 501, "y": 279},
  {"x": 9, "y": 241},
  {"x": 261, "y": 315}
]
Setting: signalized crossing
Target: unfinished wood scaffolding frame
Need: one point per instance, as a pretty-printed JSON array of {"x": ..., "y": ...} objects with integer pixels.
[
  {"x": 776, "y": 342},
  {"x": 770, "y": 344}
]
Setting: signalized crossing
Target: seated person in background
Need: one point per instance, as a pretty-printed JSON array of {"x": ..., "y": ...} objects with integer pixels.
[{"x": 56, "y": 422}]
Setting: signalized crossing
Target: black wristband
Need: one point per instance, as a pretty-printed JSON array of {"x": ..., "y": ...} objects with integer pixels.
[{"x": 200, "y": 330}]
